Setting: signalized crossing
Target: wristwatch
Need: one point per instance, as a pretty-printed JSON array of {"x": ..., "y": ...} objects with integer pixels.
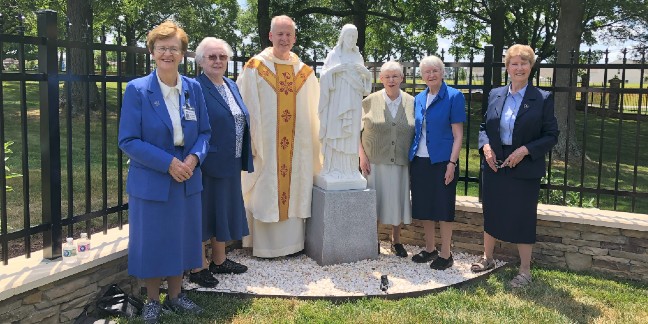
[{"x": 454, "y": 162}]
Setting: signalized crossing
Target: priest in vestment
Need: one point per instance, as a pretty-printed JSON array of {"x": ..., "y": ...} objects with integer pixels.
[{"x": 282, "y": 95}]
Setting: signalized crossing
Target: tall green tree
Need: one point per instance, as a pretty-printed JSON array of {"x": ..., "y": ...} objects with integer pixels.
[
  {"x": 396, "y": 23},
  {"x": 214, "y": 18},
  {"x": 132, "y": 20},
  {"x": 84, "y": 94},
  {"x": 501, "y": 23},
  {"x": 18, "y": 16},
  {"x": 618, "y": 19},
  {"x": 569, "y": 33},
  {"x": 199, "y": 18}
]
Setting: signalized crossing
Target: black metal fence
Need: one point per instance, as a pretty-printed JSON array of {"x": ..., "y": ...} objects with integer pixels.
[{"x": 73, "y": 174}]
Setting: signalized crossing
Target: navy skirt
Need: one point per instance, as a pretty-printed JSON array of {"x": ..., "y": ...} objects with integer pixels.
[
  {"x": 510, "y": 205},
  {"x": 164, "y": 237},
  {"x": 431, "y": 198},
  {"x": 223, "y": 212}
]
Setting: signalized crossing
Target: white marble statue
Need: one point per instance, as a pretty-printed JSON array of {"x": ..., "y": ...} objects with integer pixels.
[{"x": 344, "y": 81}]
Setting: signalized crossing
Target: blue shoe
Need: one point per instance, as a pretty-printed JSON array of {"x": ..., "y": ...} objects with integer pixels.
[
  {"x": 182, "y": 304},
  {"x": 151, "y": 312}
]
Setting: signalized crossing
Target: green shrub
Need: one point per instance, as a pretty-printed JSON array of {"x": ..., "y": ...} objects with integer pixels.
[
  {"x": 8, "y": 173},
  {"x": 572, "y": 198}
]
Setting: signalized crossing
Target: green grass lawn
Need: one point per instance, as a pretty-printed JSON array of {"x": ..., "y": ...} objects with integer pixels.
[
  {"x": 602, "y": 145},
  {"x": 12, "y": 132},
  {"x": 604, "y": 136},
  {"x": 554, "y": 297}
]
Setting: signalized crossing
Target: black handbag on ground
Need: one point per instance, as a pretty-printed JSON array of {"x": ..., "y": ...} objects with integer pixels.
[{"x": 115, "y": 302}]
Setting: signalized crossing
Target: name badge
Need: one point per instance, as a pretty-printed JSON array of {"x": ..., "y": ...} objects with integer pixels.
[{"x": 189, "y": 112}]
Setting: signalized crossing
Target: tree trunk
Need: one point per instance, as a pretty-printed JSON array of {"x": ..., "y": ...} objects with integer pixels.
[
  {"x": 84, "y": 94},
  {"x": 263, "y": 23},
  {"x": 568, "y": 37},
  {"x": 497, "y": 38},
  {"x": 360, "y": 21},
  {"x": 129, "y": 35}
]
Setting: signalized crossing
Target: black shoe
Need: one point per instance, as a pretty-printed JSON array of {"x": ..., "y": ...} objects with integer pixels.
[
  {"x": 441, "y": 263},
  {"x": 228, "y": 266},
  {"x": 425, "y": 256},
  {"x": 399, "y": 250},
  {"x": 203, "y": 278}
]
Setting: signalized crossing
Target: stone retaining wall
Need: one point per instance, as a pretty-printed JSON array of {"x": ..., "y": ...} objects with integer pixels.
[
  {"x": 580, "y": 247},
  {"x": 570, "y": 238},
  {"x": 63, "y": 300}
]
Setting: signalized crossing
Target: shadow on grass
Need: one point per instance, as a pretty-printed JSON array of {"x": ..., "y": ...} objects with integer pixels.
[
  {"x": 218, "y": 308},
  {"x": 557, "y": 294}
]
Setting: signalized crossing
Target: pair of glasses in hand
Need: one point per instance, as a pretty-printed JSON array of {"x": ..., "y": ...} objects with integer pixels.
[{"x": 500, "y": 164}]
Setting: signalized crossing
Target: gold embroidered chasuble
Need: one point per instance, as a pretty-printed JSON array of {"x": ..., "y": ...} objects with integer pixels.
[
  {"x": 282, "y": 97},
  {"x": 286, "y": 85}
]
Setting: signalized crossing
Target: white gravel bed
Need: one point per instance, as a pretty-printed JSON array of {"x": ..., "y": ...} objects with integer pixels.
[{"x": 302, "y": 276}]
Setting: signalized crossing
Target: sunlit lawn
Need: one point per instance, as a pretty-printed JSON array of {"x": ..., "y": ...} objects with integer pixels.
[
  {"x": 13, "y": 132},
  {"x": 554, "y": 297},
  {"x": 604, "y": 137}
]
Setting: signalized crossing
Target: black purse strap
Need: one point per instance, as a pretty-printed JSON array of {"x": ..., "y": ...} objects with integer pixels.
[{"x": 116, "y": 301}]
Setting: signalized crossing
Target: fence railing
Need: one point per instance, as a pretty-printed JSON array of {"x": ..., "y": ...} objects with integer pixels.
[{"x": 73, "y": 173}]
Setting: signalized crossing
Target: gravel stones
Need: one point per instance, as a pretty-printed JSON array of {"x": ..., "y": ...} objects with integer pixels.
[{"x": 301, "y": 276}]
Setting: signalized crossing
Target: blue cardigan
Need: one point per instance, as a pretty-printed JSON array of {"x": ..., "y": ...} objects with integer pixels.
[
  {"x": 447, "y": 108},
  {"x": 220, "y": 161}
]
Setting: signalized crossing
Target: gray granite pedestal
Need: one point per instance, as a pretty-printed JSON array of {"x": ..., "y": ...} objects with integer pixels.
[{"x": 342, "y": 226}]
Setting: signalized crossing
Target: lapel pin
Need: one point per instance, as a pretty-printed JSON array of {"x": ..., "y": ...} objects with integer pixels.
[
  {"x": 526, "y": 106},
  {"x": 156, "y": 103}
]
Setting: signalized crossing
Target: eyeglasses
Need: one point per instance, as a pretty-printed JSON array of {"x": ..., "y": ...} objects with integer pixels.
[
  {"x": 434, "y": 71},
  {"x": 499, "y": 164},
  {"x": 394, "y": 76},
  {"x": 215, "y": 57},
  {"x": 163, "y": 49}
]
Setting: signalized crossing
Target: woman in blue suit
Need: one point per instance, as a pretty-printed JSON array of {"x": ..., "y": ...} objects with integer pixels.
[
  {"x": 164, "y": 130},
  {"x": 439, "y": 114},
  {"x": 229, "y": 154},
  {"x": 519, "y": 130}
]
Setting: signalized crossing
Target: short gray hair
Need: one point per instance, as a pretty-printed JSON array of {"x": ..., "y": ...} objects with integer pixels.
[
  {"x": 392, "y": 66},
  {"x": 432, "y": 60},
  {"x": 200, "y": 50},
  {"x": 275, "y": 19}
]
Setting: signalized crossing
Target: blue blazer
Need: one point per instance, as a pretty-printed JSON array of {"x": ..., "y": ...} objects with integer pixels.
[
  {"x": 146, "y": 136},
  {"x": 535, "y": 127},
  {"x": 447, "y": 108},
  {"x": 220, "y": 161}
]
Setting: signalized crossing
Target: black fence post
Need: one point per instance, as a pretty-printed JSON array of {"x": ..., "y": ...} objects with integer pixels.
[
  {"x": 488, "y": 75},
  {"x": 50, "y": 133},
  {"x": 488, "y": 85},
  {"x": 3, "y": 174}
]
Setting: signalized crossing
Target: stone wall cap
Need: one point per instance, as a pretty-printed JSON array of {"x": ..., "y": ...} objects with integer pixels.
[
  {"x": 587, "y": 216},
  {"x": 24, "y": 274}
]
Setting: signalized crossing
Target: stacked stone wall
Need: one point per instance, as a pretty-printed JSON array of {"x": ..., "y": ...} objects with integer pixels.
[
  {"x": 579, "y": 247},
  {"x": 63, "y": 300},
  {"x": 619, "y": 251}
]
